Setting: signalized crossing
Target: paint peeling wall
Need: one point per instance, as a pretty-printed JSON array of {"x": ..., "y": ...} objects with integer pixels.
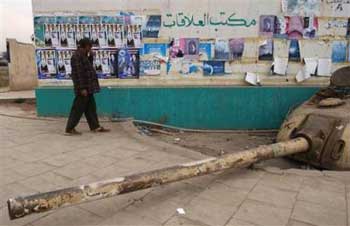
[{"x": 332, "y": 18}]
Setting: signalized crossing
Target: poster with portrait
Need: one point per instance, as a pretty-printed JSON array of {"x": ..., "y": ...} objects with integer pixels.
[
  {"x": 266, "y": 50},
  {"x": 301, "y": 7},
  {"x": 66, "y": 30},
  {"x": 205, "y": 51},
  {"x": 296, "y": 27},
  {"x": 151, "y": 26},
  {"x": 113, "y": 64},
  {"x": 95, "y": 30},
  {"x": 177, "y": 48},
  {"x": 236, "y": 48},
  {"x": 339, "y": 51},
  {"x": 102, "y": 35},
  {"x": 46, "y": 63},
  {"x": 102, "y": 63},
  {"x": 64, "y": 68},
  {"x": 310, "y": 27},
  {"x": 222, "y": 49},
  {"x": 54, "y": 30},
  {"x": 267, "y": 25},
  {"x": 294, "y": 51},
  {"x": 191, "y": 48},
  {"x": 281, "y": 27},
  {"x": 118, "y": 31},
  {"x": 42, "y": 26},
  {"x": 78, "y": 30},
  {"x": 128, "y": 63}
]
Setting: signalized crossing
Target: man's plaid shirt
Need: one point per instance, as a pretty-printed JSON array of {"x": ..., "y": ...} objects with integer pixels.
[{"x": 83, "y": 74}]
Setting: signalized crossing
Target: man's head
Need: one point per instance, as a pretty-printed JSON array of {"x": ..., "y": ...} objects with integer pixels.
[{"x": 85, "y": 45}]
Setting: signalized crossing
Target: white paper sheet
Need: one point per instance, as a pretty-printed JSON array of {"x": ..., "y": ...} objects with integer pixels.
[
  {"x": 324, "y": 67},
  {"x": 280, "y": 66},
  {"x": 311, "y": 65},
  {"x": 303, "y": 75},
  {"x": 252, "y": 78}
]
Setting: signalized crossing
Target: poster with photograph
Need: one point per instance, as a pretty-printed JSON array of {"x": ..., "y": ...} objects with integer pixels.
[
  {"x": 133, "y": 36},
  {"x": 54, "y": 33},
  {"x": 113, "y": 61},
  {"x": 296, "y": 27},
  {"x": 95, "y": 35},
  {"x": 110, "y": 35},
  {"x": 348, "y": 29},
  {"x": 177, "y": 48},
  {"x": 191, "y": 49},
  {"x": 339, "y": 51},
  {"x": 89, "y": 19},
  {"x": 67, "y": 31},
  {"x": 294, "y": 51},
  {"x": 151, "y": 26},
  {"x": 63, "y": 34},
  {"x": 281, "y": 27},
  {"x": 86, "y": 31},
  {"x": 267, "y": 25},
  {"x": 310, "y": 27},
  {"x": 213, "y": 68},
  {"x": 64, "y": 68},
  {"x": 205, "y": 51},
  {"x": 128, "y": 63},
  {"x": 266, "y": 50},
  {"x": 301, "y": 7},
  {"x": 71, "y": 36},
  {"x": 79, "y": 30},
  {"x": 41, "y": 30},
  {"x": 236, "y": 48},
  {"x": 46, "y": 62},
  {"x": 118, "y": 31},
  {"x": 150, "y": 67},
  {"x": 102, "y": 39},
  {"x": 222, "y": 49},
  {"x": 102, "y": 63},
  {"x": 155, "y": 48}
]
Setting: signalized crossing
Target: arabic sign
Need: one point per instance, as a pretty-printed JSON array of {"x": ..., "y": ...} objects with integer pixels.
[
  {"x": 185, "y": 20},
  {"x": 207, "y": 24}
]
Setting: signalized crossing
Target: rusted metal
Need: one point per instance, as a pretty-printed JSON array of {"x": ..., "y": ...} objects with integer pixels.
[{"x": 23, "y": 206}]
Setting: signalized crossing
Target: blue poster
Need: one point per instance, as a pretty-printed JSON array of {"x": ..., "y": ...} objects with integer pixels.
[
  {"x": 67, "y": 20},
  {"x": 205, "y": 50},
  {"x": 89, "y": 20},
  {"x": 149, "y": 48},
  {"x": 294, "y": 50},
  {"x": 42, "y": 25},
  {"x": 339, "y": 51},
  {"x": 213, "y": 68},
  {"x": 112, "y": 19},
  {"x": 152, "y": 26},
  {"x": 128, "y": 63}
]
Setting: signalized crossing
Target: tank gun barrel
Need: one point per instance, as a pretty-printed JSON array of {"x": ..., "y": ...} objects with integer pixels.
[{"x": 42, "y": 202}]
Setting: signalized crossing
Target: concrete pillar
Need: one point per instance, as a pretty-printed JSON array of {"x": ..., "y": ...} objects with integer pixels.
[{"x": 22, "y": 66}]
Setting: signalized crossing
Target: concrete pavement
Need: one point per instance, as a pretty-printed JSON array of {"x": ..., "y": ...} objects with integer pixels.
[{"x": 36, "y": 157}]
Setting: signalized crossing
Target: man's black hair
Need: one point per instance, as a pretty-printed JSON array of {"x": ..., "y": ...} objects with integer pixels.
[{"x": 85, "y": 42}]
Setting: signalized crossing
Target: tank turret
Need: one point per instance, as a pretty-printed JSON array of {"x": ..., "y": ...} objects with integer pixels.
[{"x": 324, "y": 122}]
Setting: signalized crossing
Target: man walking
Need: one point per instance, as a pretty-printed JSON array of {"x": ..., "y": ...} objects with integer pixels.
[{"x": 85, "y": 86}]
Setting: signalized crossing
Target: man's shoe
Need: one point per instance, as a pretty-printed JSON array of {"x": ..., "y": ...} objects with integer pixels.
[
  {"x": 101, "y": 130},
  {"x": 72, "y": 132}
]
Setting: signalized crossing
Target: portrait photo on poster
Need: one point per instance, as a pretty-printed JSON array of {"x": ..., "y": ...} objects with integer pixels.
[
  {"x": 294, "y": 51},
  {"x": 281, "y": 27},
  {"x": 236, "y": 48},
  {"x": 191, "y": 48},
  {"x": 266, "y": 50},
  {"x": 128, "y": 63},
  {"x": 222, "y": 49},
  {"x": 267, "y": 25},
  {"x": 310, "y": 27}
]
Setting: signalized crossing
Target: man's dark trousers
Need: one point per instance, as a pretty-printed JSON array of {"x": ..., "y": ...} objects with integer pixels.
[{"x": 83, "y": 105}]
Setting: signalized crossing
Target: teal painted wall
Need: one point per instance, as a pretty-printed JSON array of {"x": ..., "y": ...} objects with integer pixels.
[{"x": 189, "y": 107}]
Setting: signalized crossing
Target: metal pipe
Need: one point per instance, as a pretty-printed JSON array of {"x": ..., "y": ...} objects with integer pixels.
[{"x": 38, "y": 203}]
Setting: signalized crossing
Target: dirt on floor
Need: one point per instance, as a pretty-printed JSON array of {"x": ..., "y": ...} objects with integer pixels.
[{"x": 217, "y": 144}]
